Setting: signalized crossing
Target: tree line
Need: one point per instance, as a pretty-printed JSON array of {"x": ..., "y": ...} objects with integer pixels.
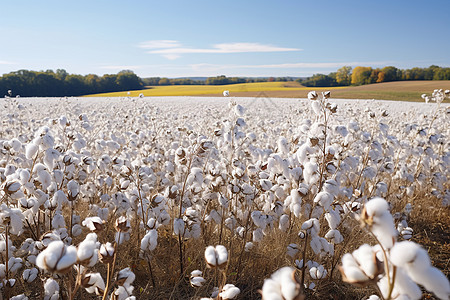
[
  {"x": 60, "y": 83},
  {"x": 216, "y": 80},
  {"x": 365, "y": 75}
]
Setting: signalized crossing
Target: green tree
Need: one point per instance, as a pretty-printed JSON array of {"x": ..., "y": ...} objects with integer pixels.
[{"x": 344, "y": 75}]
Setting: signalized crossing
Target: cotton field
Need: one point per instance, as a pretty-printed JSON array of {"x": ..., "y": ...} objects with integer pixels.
[{"x": 221, "y": 198}]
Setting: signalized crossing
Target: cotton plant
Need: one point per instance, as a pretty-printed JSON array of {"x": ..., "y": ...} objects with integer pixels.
[
  {"x": 395, "y": 267},
  {"x": 217, "y": 259},
  {"x": 239, "y": 176}
]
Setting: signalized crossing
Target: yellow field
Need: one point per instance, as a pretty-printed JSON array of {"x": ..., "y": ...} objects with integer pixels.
[
  {"x": 212, "y": 90},
  {"x": 399, "y": 90}
]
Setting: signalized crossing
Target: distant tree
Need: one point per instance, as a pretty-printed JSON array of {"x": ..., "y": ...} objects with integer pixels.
[
  {"x": 319, "y": 80},
  {"x": 128, "y": 81},
  {"x": 344, "y": 75},
  {"x": 380, "y": 77},
  {"x": 391, "y": 73},
  {"x": 361, "y": 75},
  {"x": 164, "y": 81}
]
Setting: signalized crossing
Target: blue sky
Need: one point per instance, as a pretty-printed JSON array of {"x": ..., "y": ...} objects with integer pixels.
[{"x": 232, "y": 38}]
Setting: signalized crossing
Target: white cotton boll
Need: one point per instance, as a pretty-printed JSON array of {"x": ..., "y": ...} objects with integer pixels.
[
  {"x": 265, "y": 184},
  {"x": 318, "y": 272},
  {"x": 29, "y": 275},
  {"x": 376, "y": 214},
  {"x": 94, "y": 224},
  {"x": 197, "y": 281},
  {"x": 150, "y": 241},
  {"x": 284, "y": 223},
  {"x": 222, "y": 254},
  {"x": 239, "y": 110},
  {"x": 229, "y": 291},
  {"x": 73, "y": 189},
  {"x": 77, "y": 230},
  {"x": 216, "y": 256},
  {"x": 373, "y": 297},
  {"x": 87, "y": 253},
  {"x": 333, "y": 218},
  {"x": 58, "y": 221},
  {"x": 311, "y": 226},
  {"x": 364, "y": 255},
  {"x": 335, "y": 236},
  {"x": 178, "y": 226},
  {"x": 315, "y": 105},
  {"x": 95, "y": 283},
  {"x": 60, "y": 198},
  {"x": 126, "y": 274},
  {"x": 57, "y": 257},
  {"x": 31, "y": 150},
  {"x": 258, "y": 235},
  {"x": 51, "y": 287},
  {"x": 407, "y": 233},
  {"x": 325, "y": 200},
  {"x": 226, "y": 93},
  {"x": 292, "y": 250},
  {"x": 405, "y": 286},
  {"x": 24, "y": 176},
  {"x": 248, "y": 246}
]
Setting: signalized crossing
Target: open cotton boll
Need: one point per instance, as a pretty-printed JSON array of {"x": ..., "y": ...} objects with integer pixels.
[
  {"x": 318, "y": 272},
  {"x": 403, "y": 286},
  {"x": 93, "y": 283},
  {"x": 31, "y": 150},
  {"x": 284, "y": 223},
  {"x": 229, "y": 291},
  {"x": 29, "y": 275},
  {"x": 361, "y": 267},
  {"x": 150, "y": 241},
  {"x": 216, "y": 256},
  {"x": 282, "y": 285},
  {"x": 325, "y": 200},
  {"x": 414, "y": 259},
  {"x": 57, "y": 257},
  {"x": 311, "y": 226},
  {"x": 51, "y": 289},
  {"x": 377, "y": 216},
  {"x": 292, "y": 250},
  {"x": 87, "y": 253}
]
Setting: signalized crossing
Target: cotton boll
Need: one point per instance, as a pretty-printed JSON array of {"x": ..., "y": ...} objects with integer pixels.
[
  {"x": 216, "y": 256},
  {"x": 377, "y": 216},
  {"x": 93, "y": 283},
  {"x": 333, "y": 218},
  {"x": 149, "y": 241},
  {"x": 318, "y": 272},
  {"x": 57, "y": 257},
  {"x": 51, "y": 289},
  {"x": 325, "y": 200},
  {"x": 284, "y": 223},
  {"x": 282, "y": 285},
  {"x": 229, "y": 291},
  {"x": 29, "y": 275},
  {"x": 248, "y": 246},
  {"x": 258, "y": 235},
  {"x": 87, "y": 252},
  {"x": 58, "y": 221},
  {"x": 31, "y": 150},
  {"x": 292, "y": 250}
]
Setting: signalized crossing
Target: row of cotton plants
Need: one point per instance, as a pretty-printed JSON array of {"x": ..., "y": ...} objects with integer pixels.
[{"x": 124, "y": 199}]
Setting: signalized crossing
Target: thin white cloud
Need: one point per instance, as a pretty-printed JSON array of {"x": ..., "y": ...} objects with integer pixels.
[
  {"x": 4, "y": 62},
  {"x": 160, "y": 44},
  {"x": 171, "y": 56},
  {"x": 171, "y": 49},
  {"x": 122, "y": 67},
  {"x": 317, "y": 65}
]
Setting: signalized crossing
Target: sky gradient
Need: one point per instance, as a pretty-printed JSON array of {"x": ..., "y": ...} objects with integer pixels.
[{"x": 233, "y": 38}]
